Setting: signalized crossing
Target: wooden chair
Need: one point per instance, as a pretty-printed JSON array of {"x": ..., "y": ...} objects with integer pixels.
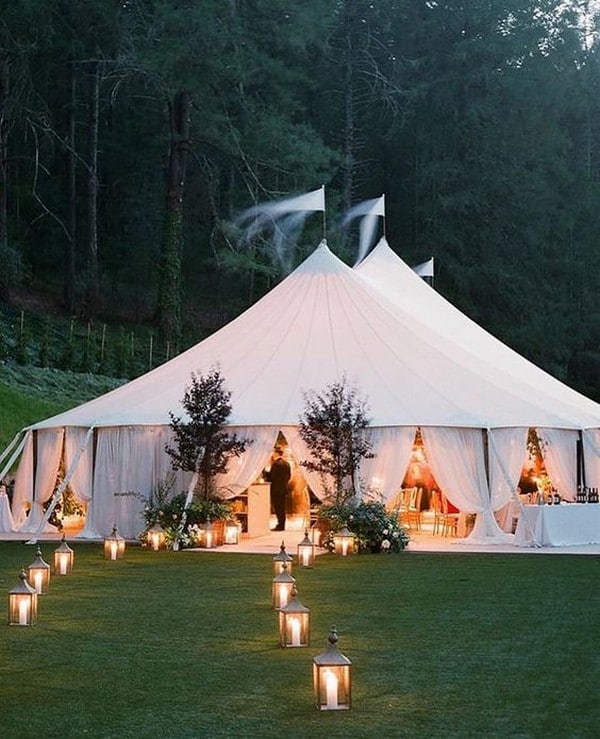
[
  {"x": 413, "y": 513},
  {"x": 449, "y": 519}
]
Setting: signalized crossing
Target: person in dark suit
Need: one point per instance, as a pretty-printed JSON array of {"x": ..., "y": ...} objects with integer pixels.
[{"x": 278, "y": 474}]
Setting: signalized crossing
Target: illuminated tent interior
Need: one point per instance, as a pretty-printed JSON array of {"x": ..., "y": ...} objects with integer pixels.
[{"x": 419, "y": 363}]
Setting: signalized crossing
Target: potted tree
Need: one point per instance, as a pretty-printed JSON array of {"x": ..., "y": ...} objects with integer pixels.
[{"x": 203, "y": 445}]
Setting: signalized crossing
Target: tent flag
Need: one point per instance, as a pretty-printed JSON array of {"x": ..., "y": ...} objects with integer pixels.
[
  {"x": 314, "y": 200},
  {"x": 368, "y": 211},
  {"x": 425, "y": 269}
]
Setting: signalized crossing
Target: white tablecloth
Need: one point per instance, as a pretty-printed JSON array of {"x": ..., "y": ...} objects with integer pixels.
[
  {"x": 567, "y": 524},
  {"x": 6, "y": 519}
]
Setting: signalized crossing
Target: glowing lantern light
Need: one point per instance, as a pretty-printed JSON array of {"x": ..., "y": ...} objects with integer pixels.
[
  {"x": 63, "y": 558},
  {"x": 306, "y": 551},
  {"x": 22, "y": 603},
  {"x": 343, "y": 542},
  {"x": 332, "y": 679},
  {"x": 232, "y": 531},
  {"x": 294, "y": 622},
  {"x": 207, "y": 536},
  {"x": 114, "y": 545},
  {"x": 156, "y": 537},
  {"x": 280, "y": 559},
  {"x": 282, "y": 588},
  {"x": 39, "y": 574}
]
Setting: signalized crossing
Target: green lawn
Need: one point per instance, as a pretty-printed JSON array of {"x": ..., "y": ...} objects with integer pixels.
[{"x": 185, "y": 645}]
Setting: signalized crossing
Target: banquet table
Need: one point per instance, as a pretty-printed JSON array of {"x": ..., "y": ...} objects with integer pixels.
[
  {"x": 567, "y": 524},
  {"x": 6, "y": 519}
]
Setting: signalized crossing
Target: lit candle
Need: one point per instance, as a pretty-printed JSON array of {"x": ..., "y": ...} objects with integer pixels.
[
  {"x": 344, "y": 547},
  {"x": 331, "y": 689},
  {"x": 209, "y": 540},
  {"x": 305, "y": 556},
  {"x": 37, "y": 581},
  {"x": 283, "y": 596},
  {"x": 155, "y": 542},
  {"x": 23, "y": 612},
  {"x": 62, "y": 564},
  {"x": 113, "y": 550},
  {"x": 295, "y": 630}
]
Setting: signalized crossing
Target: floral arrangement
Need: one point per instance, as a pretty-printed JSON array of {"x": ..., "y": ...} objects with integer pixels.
[
  {"x": 375, "y": 529},
  {"x": 167, "y": 511}
]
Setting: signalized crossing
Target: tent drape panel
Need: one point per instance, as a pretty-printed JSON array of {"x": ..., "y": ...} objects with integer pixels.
[
  {"x": 591, "y": 450},
  {"x": 302, "y": 453},
  {"x": 23, "y": 490},
  {"x": 392, "y": 447},
  {"x": 123, "y": 478},
  {"x": 559, "y": 450},
  {"x": 49, "y": 452},
  {"x": 242, "y": 471},
  {"x": 508, "y": 448},
  {"x": 457, "y": 461},
  {"x": 81, "y": 480}
]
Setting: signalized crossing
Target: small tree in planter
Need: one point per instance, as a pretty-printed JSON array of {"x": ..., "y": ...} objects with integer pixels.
[
  {"x": 202, "y": 443},
  {"x": 334, "y": 426}
]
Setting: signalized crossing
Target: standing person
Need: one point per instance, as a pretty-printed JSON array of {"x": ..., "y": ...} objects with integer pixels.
[{"x": 278, "y": 474}]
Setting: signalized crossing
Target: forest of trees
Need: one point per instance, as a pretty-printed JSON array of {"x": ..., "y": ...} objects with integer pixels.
[{"x": 133, "y": 132}]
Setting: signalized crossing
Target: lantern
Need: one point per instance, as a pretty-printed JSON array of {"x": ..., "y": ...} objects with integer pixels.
[
  {"x": 114, "y": 545},
  {"x": 207, "y": 536},
  {"x": 39, "y": 574},
  {"x": 232, "y": 531},
  {"x": 280, "y": 559},
  {"x": 343, "y": 541},
  {"x": 332, "y": 677},
  {"x": 63, "y": 558},
  {"x": 22, "y": 603},
  {"x": 156, "y": 537},
  {"x": 294, "y": 622},
  {"x": 306, "y": 551},
  {"x": 282, "y": 587}
]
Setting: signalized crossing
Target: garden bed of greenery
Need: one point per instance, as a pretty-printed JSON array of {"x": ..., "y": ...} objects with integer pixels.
[{"x": 184, "y": 644}]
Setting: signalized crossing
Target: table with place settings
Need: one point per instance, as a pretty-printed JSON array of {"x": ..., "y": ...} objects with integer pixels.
[{"x": 567, "y": 524}]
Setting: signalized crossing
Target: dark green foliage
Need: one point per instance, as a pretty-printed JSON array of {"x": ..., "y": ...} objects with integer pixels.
[
  {"x": 334, "y": 426},
  {"x": 201, "y": 441}
]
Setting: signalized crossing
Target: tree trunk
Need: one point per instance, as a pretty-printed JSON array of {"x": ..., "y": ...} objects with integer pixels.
[
  {"x": 170, "y": 288},
  {"x": 71, "y": 264},
  {"x": 92, "y": 288},
  {"x": 349, "y": 125},
  {"x": 4, "y": 95}
]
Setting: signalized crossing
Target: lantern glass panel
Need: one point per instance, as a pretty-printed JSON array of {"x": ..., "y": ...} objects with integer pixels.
[{"x": 332, "y": 687}]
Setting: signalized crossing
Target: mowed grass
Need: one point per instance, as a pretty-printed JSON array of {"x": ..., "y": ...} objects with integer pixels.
[{"x": 185, "y": 645}]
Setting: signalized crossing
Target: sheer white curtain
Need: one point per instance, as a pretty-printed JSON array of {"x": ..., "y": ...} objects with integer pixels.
[
  {"x": 81, "y": 478},
  {"x": 23, "y": 490},
  {"x": 123, "y": 478},
  {"x": 392, "y": 447},
  {"x": 591, "y": 450},
  {"x": 302, "y": 453},
  {"x": 457, "y": 460},
  {"x": 507, "y": 449},
  {"x": 242, "y": 471},
  {"x": 49, "y": 447},
  {"x": 559, "y": 450}
]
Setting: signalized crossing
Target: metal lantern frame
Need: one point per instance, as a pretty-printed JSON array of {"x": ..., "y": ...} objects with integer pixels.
[
  {"x": 157, "y": 537},
  {"x": 332, "y": 677},
  {"x": 344, "y": 542},
  {"x": 233, "y": 531},
  {"x": 22, "y": 603},
  {"x": 282, "y": 588},
  {"x": 38, "y": 574},
  {"x": 294, "y": 622},
  {"x": 280, "y": 559},
  {"x": 306, "y": 552},
  {"x": 64, "y": 558},
  {"x": 114, "y": 545}
]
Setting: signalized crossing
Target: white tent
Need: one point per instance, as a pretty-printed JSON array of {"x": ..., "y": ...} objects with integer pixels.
[{"x": 322, "y": 322}]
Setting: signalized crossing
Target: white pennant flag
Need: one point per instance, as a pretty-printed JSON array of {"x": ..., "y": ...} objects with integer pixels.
[
  {"x": 314, "y": 200},
  {"x": 425, "y": 269}
]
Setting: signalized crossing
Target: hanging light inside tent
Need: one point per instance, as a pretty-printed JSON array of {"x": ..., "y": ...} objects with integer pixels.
[
  {"x": 64, "y": 558},
  {"x": 39, "y": 574}
]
